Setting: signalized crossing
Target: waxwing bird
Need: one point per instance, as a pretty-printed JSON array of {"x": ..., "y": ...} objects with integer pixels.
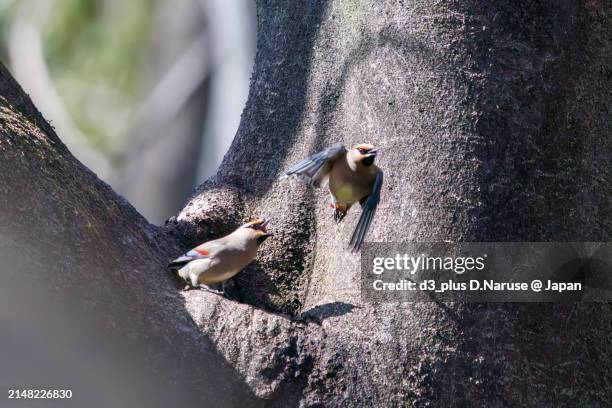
[
  {"x": 351, "y": 176},
  {"x": 218, "y": 260}
]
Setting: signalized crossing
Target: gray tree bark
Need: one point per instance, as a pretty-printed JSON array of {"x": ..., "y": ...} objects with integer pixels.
[{"x": 493, "y": 119}]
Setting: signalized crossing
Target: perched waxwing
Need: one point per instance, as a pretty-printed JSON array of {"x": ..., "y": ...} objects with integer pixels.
[
  {"x": 218, "y": 260},
  {"x": 351, "y": 176}
]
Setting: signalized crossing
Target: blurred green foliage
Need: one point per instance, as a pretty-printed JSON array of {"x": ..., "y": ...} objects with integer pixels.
[
  {"x": 104, "y": 40},
  {"x": 99, "y": 44},
  {"x": 95, "y": 51}
]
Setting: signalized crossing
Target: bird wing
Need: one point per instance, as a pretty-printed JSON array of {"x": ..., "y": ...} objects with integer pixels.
[
  {"x": 315, "y": 169},
  {"x": 367, "y": 214},
  {"x": 199, "y": 252}
]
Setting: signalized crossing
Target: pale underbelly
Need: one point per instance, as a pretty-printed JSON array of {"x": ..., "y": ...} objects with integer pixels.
[
  {"x": 222, "y": 271},
  {"x": 211, "y": 276},
  {"x": 347, "y": 193},
  {"x": 212, "y": 270}
]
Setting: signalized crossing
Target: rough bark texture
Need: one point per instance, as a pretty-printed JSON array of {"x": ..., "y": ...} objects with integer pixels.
[
  {"x": 80, "y": 264},
  {"x": 493, "y": 119}
]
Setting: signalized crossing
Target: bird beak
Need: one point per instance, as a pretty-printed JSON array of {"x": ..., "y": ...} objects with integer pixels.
[
  {"x": 264, "y": 225},
  {"x": 372, "y": 153},
  {"x": 266, "y": 234}
]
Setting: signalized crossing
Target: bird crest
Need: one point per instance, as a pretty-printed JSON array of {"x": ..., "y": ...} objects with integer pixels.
[
  {"x": 363, "y": 146},
  {"x": 256, "y": 221}
]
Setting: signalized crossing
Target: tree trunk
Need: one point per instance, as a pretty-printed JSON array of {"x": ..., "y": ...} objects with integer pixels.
[{"x": 493, "y": 121}]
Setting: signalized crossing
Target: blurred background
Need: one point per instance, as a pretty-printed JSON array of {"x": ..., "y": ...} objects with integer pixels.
[{"x": 146, "y": 93}]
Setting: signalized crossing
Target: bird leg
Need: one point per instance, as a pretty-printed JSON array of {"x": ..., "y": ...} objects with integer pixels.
[
  {"x": 340, "y": 211},
  {"x": 209, "y": 289}
]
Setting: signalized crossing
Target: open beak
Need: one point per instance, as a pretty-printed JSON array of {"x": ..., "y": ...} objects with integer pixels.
[
  {"x": 372, "y": 153},
  {"x": 263, "y": 226},
  {"x": 261, "y": 238}
]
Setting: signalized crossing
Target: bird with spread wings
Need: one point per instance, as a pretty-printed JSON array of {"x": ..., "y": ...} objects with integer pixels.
[{"x": 351, "y": 177}]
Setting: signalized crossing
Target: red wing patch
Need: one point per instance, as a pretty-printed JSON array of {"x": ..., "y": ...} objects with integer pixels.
[{"x": 202, "y": 252}]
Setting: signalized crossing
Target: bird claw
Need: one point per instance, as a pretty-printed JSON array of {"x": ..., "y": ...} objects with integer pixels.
[
  {"x": 211, "y": 290},
  {"x": 339, "y": 213}
]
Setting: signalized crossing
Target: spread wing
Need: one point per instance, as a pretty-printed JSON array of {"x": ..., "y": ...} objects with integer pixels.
[
  {"x": 367, "y": 214},
  {"x": 199, "y": 252},
  {"x": 315, "y": 169}
]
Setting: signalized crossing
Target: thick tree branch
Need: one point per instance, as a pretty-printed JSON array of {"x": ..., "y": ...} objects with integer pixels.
[
  {"x": 68, "y": 240},
  {"x": 494, "y": 124}
]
